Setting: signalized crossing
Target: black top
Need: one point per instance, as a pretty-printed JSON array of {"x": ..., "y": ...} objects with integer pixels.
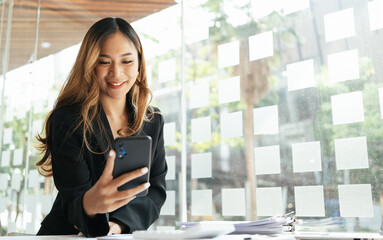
[{"x": 76, "y": 170}]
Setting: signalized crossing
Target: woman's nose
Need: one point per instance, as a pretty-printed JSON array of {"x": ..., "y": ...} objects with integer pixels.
[{"x": 114, "y": 70}]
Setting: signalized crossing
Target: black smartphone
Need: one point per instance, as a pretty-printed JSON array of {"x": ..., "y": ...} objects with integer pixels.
[{"x": 132, "y": 153}]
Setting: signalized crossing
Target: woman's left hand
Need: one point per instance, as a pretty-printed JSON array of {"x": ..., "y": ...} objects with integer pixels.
[{"x": 114, "y": 228}]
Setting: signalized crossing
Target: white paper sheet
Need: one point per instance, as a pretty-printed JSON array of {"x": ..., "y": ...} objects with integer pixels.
[
  {"x": 18, "y": 157},
  {"x": 307, "y": 157},
  {"x": 381, "y": 101},
  {"x": 171, "y": 161},
  {"x": 266, "y": 120},
  {"x": 201, "y": 165},
  {"x": 261, "y": 46},
  {"x": 201, "y": 129},
  {"x": 202, "y": 203},
  {"x": 199, "y": 96},
  {"x": 343, "y": 66},
  {"x": 170, "y": 133},
  {"x": 169, "y": 207},
  {"x": 351, "y": 153},
  {"x": 167, "y": 70},
  {"x": 292, "y": 6},
  {"x": 300, "y": 75},
  {"x": 269, "y": 201},
  {"x": 267, "y": 160},
  {"x": 229, "y": 90},
  {"x": 233, "y": 202},
  {"x": 375, "y": 9},
  {"x": 231, "y": 125},
  {"x": 309, "y": 201},
  {"x": 3, "y": 181},
  {"x": 355, "y": 200},
  {"x": 347, "y": 108},
  {"x": 7, "y": 136},
  {"x": 5, "y": 158},
  {"x": 33, "y": 181},
  {"x": 228, "y": 54},
  {"x": 339, "y": 25}
]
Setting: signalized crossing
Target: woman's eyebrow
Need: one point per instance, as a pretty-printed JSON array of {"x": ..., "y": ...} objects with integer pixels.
[{"x": 122, "y": 55}]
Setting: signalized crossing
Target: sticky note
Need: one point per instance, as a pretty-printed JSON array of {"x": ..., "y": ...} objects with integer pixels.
[
  {"x": 339, "y": 25},
  {"x": 300, "y": 75},
  {"x": 16, "y": 181},
  {"x": 355, "y": 200},
  {"x": 381, "y": 101},
  {"x": 31, "y": 202},
  {"x": 201, "y": 165},
  {"x": 202, "y": 202},
  {"x": 343, "y": 66},
  {"x": 7, "y": 136},
  {"x": 3, "y": 204},
  {"x": 229, "y": 90},
  {"x": 261, "y": 46},
  {"x": 38, "y": 105},
  {"x": 21, "y": 110},
  {"x": 170, "y": 133},
  {"x": 199, "y": 96},
  {"x": 375, "y": 9},
  {"x": 307, "y": 157},
  {"x": 18, "y": 156},
  {"x": 269, "y": 201},
  {"x": 347, "y": 108},
  {"x": 167, "y": 70},
  {"x": 351, "y": 153},
  {"x": 228, "y": 54},
  {"x": 5, "y": 158},
  {"x": 197, "y": 28},
  {"x": 9, "y": 112},
  {"x": 171, "y": 174},
  {"x": 33, "y": 180},
  {"x": 169, "y": 207},
  {"x": 201, "y": 129},
  {"x": 262, "y": 8},
  {"x": 37, "y": 126},
  {"x": 46, "y": 203},
  {"x": 231, "y": 125},
  {"x": 3, "y": 181},
  {"x": 267, "y": 160},
  {"x": 266, "y": 120},
  {"x": 292, "y": 6},
  {"x": 233, "y": 202},
  {"x": 309, "y": 201}
]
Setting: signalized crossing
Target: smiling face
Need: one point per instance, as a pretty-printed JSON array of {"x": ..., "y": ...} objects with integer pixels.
[{"x": 117, "y": 67}]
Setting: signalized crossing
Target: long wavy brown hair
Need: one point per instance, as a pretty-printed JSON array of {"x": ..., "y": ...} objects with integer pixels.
[{"x": 82, "y": 88}]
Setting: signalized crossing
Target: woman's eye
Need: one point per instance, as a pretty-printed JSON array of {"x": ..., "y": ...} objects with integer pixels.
[
  {"x": 126, "y": 62},
  {"x": 103, "y": 62}
]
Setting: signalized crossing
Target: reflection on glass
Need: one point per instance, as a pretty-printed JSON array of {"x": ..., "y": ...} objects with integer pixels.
[
  {"x": 355, "y": 200},
  {"x": 351, "y": 153}
]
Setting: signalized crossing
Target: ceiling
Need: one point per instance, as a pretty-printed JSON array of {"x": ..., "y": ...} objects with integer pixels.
[{"x": 63, "y": 23}]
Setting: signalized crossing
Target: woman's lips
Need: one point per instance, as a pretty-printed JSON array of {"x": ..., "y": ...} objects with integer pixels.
[{"x": 116, "y": 85}]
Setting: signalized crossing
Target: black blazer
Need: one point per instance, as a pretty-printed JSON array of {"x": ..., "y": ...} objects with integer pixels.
[{"x": 76, "y": 170}]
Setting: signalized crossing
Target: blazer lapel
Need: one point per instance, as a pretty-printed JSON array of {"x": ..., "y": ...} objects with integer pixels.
[{"x": 100, "y": 138}]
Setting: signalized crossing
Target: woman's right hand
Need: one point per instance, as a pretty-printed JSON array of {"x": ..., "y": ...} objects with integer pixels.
[{"x": 104, "y": 197}]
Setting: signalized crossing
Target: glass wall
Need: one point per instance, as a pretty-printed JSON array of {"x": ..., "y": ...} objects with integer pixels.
[{"x": 270, "y": 107}]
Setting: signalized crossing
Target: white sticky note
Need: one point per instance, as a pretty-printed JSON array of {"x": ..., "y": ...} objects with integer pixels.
[
  {"x": 261, "y": 46},
  {"x": 197, "y": 29},
  {"x": 201, "y": 166},
  {"x": 231, "y": 125},
  {"x": 5, "y": 158},
  {"x": 343, "y": 66},
  {"x": 202, "y": 203},
  {"x": 3, "y": 204},
  {"x": 171, "y": 161},
  {"x": 18, "y": 157},
  {"x": 267, "y": 160},
  {"x": 307, "y": 157},
  {"x": 167, "y": 70},
  {"x": 309, "y": 201},
  {"x": 33, "y": 181},
  {"x": 339, "y": 25},
  {"x": 292, "y": 6},
  {"x": 199, "y": 96},
  {"x": 7, "y": 136},
  {"x": 3, "y": 181},
  {"x": 169, "y": 207},
  {"x": 347, "y": 108},
  {"x": 262, "y": 8},
  {"x": 46, "y": 204},
  {"x": 300, "y": 75},
  {"x": 381, "y": 101},
  {"x": 38, "y": 105},
  {"x": 355, "y": 200},
  {"x": 170, "y": 134},
  {"x": 9, "y": 112},
  {"x": 269, "y": 201},
  {"x": 229, "y": 90},
  {"x": 31, "y": 202},
  {"x": 11, "y": 227},
  {"x": 228, "y": 54},
  {"x": 21, "y": 110},
  {"x": 266, "y": 120},
  {"x": 149, "y": 74},
  {"x": 37, "y": 126},
  {"x": 16, "y": 181},
  {"x": 375, "y": 9},
  {"x": 233, "y": 202},
  {"x": 351, "y": 153},
  {"x": 201, "y": 129}
]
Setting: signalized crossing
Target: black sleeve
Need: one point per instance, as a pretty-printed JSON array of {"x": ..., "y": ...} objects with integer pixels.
[
  {"x": 72, "y": 176},
  {"x": 141, "y": 212}
]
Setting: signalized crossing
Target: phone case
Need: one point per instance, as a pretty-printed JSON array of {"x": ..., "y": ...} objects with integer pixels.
[{"x": 132, "y": 153}]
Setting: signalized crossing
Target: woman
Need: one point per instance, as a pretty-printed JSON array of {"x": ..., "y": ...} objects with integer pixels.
[{"x": 106, "y": 96}]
